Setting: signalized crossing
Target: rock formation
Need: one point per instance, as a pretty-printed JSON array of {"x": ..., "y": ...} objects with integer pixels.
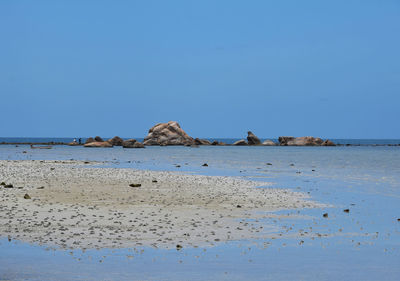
[
  {"x": 116, "y": 141},
  {"x": 252, "y": 139},
  {"x": 240, "y": 142},
  {"x": 132, "y": 143},
  {"x": 98, "y": 144},
  {"x": 168, "y": 134},
  {"x": 268, "y": 143},
  {"x": 302, "y": 141}
]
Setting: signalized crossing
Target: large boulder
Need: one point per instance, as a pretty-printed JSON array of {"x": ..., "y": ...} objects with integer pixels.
[
  {"x": 198, "y": 141},
  {"x": 300, "y": 141},
  {"x": 168, "y": 134},
  {"x": 73, "y": 143},
  {"x": 98, "y": 144},
  {"x": 240, "y": 142},
  {"x": 252, "y": 139},
  {"x": 89, "y": 140},
  {"x": 116, "y": 141},
  {"x": 132, "y": 143},
  {"x": 268, "y": 143}
]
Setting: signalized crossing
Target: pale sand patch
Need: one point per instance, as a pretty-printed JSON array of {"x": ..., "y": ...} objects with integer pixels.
[{"x": 81, "y": 207}]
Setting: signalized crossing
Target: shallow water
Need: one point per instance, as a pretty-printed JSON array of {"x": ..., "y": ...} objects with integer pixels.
[{"x": 363, "y": 244}]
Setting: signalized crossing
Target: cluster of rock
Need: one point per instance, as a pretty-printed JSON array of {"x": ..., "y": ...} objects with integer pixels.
[
  {"x": 115, "y": 141},
  {"x": 171, "y": 133},
  {"x": 252, "y": 139},
  {"x": 304, "y": 141},
  {"x": 285, "y": 141}
]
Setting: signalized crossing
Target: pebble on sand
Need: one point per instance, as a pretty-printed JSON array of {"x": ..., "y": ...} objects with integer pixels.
[{"x": 135, "y": 185}]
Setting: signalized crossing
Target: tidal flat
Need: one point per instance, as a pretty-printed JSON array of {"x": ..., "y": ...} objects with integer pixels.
[{"x": 68, "y": 205}]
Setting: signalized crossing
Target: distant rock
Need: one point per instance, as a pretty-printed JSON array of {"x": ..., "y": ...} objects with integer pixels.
[
  {"x": 302, "y": 141},
  {"x": 98, "y": 139},
  {"x": 328, "y": 143},
  {"x": 252, "y": 139},
  {"x": 98, "y": 144},
  {"x": 116, "y": 141},
  {"x": 198, "y": 141},
  {"x": 168, "y": 134},
  {"x": 269, "y": 143},
  {"x": 73, "y": 143},
  {"x": 215, "y": 143},
  {"x": 89, "y": 140},
  {"x": 132, "y": 143},
  {"x": 240, "y": 142}
]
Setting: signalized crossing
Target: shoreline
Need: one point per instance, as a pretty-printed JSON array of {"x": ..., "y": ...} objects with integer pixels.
[{"x": 74, "y": 206}]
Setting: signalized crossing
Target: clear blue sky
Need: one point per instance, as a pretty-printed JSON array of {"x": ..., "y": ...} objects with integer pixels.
[{"x": 220, "y": 68}]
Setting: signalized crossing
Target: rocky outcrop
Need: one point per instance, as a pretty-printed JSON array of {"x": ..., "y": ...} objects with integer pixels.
[
  {"x": 98, "y": 144},
  {"x": 132, "y": 143},
  {"x": 98, "y": 139},
  {"x": 89, "y": 140},
  {"x": 116, "y": 141},
  {"x": 301, "y": 141},
  {"x": 168, "y": 134},
  {"x": 73, "y": 143},
  {"x": 240, "y": 142},
  {"x": 268, "y": 143},
  {"x": 198, "y": 141},
  {"x": 252, "y": 139}
]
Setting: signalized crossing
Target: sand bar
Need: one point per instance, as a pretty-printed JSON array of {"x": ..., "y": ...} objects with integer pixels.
[{"x": 75, "y": 206}]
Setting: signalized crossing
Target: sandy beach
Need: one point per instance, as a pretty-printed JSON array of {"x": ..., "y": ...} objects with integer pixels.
[{"x": 73, "y": 205}]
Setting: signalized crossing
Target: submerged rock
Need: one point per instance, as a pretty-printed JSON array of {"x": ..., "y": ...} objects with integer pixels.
[
  {"x": 269, "y": 143},
  {"x": 240, "y": 142},
  {"x": 98, "y": 144},
  {"x": 168, "y": 134},
  {"x": 252, "y": 139}
]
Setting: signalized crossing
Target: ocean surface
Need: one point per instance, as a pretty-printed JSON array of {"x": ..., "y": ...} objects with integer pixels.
[{"x": 363, "y": 244}]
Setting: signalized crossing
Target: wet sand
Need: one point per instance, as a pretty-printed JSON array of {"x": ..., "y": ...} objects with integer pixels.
[{"x": 71, "y": 205}]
